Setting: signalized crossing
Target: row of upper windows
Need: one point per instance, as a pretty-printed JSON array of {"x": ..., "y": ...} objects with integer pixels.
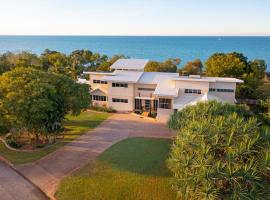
[
  {"x": 188, "y": 91},
  {"x": 104, "y": 98},
  {"x": 220, "y": 90},
  {"x": 100, "y": 82},
  {"x": 197, "y": 91},
  {"x": 193, "y": 91},
  {"x": 125, "y": 85}
]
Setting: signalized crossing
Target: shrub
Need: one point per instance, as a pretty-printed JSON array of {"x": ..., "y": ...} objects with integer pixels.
[
  {"x": 203, "y": 110},
  {"x": 102, "y": 109},
  {"x": 219, "y": 156},
  {"x": 12, "y": 141}
]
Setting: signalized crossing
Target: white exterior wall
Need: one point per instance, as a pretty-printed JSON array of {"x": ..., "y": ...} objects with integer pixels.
[
  {"x": 226, "y": 96},
  {"x": 100, "y": 103},
  {"x": 182, "y": 85},
  {"x": 144, "y": 93},
  {"x": 163, "y": 115},
  {"x": 121, "y": 93},
  {"x": 94, "y": 86}
]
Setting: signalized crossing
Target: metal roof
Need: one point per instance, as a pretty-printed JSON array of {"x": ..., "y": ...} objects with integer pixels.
[
  {"x": 152, "y": 77},
  {"x": 124, "y": 76},
  {"x": 130, "y": 64},
  {"x": 208, "y": 79}
]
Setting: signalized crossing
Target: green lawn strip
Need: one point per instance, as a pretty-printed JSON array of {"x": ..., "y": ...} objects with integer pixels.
[
  {"x": 131, "y": 169},
  {"x": 75, "y": 125}
]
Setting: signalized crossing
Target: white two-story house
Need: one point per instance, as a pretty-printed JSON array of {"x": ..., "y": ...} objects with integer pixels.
[{"x": 129, "y": 88}]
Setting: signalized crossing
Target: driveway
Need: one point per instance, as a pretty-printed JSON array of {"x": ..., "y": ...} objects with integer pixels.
[
  {"x": 48, "y": 171},
  {"x": 15, "y": 187}
]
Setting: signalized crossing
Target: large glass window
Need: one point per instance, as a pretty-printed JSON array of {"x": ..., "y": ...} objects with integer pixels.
[
  {"x": 116, "y": 100},
  {"x": 165, "y": 103},
  {"x": 125, "y": 85},
  {"x": 99, "y": 98}
]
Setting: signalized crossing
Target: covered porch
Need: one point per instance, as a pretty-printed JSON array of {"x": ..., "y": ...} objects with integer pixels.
[{"x": 146, "y": 105}]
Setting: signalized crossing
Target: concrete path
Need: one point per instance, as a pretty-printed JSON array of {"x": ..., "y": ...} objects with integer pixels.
[
  {"x": 48, "y": 171},
  {"x": 15, "y": 187}
]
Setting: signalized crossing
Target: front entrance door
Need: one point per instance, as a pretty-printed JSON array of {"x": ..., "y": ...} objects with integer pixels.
[{"x": 147, "y": 105}]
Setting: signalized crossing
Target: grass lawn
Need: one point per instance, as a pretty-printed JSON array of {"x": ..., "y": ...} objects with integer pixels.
[
  {"x": 75, "y": 125},
  {"x": 133, "y": 169}
]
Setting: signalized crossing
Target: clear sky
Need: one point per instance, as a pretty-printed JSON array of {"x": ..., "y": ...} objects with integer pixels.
[{"x": 135, "y": 17}]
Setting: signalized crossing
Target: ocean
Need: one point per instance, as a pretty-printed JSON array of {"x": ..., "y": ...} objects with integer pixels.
[{"x": 150, "y": 47}]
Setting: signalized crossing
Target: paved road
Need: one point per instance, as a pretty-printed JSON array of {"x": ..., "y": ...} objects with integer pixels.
[
  {"x": 48, "y": 172},
  {"x": 15, "y": 187}
]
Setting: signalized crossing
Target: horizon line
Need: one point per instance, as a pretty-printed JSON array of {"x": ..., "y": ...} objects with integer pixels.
[{"x": 101, "y": 35}]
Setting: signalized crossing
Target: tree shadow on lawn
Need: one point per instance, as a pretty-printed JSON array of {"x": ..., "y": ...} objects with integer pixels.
[{"x": 145, "y": 156}]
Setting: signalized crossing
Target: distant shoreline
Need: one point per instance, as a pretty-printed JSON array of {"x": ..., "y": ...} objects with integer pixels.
[{"x": 159, "y": 48}]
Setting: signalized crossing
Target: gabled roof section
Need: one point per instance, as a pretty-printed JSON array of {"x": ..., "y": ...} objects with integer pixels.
[
  {"x": 130, "y": 64},
  {"x": 99, "y": 92},
  {"x": 124, "y": 76}
]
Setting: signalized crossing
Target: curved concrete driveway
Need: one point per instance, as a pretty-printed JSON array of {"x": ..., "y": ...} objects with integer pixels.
[
  {"x": 48, "y": 171},
  {"x": 15, "y": 187}
]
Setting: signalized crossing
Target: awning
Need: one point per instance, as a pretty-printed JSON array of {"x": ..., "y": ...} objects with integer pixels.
[
  {"x": 98, "y": 92},
  {"x": 145, "y": 98}
]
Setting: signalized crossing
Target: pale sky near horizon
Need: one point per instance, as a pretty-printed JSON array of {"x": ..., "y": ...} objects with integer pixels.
[{"x": 137, "y": 17}]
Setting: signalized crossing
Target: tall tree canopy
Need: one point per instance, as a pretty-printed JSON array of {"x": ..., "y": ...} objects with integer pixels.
[
  {"x": 37, "y": 100},
  {"x": 237, "y": 65},
  {"x": 192, "y": 67},
  {"x": 169, "y": 65}
]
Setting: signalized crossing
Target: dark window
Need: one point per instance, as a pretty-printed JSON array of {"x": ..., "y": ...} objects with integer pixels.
[
  {"x": 125, "y": 85},
  {"x": 147, "y": 105},
  {"x": 99, "y": 82},
  {"x": 116, "y": 100},
  {"x": 99, "y": 98},
  {"x": 146, "y": 89},
  {"x": 212, "y": 89},
  {"x": 165, "y": 103},
  {"x": 138, "y": 104},
  {"x": 193, "y": 91},
  {"x": 155, "y": 105},
  {"x": 225, "y": 90}
]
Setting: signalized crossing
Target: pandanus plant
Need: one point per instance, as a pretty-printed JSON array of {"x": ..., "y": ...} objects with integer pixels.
[{"x": 220, "y": 152}]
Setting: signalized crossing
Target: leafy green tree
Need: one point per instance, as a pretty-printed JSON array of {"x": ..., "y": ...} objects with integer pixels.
[
  {"x": 5, "y": 65},
  {"x": 38, "y": 100},
  {"x": 226, "y": 65},
  {"x": 10, "y": 60},
  {"x": 192, "y": 67},
  {"x": 237, "y": 65},
  {"x": 169, "y": 65},
  {"x": 219, "y": 156}
]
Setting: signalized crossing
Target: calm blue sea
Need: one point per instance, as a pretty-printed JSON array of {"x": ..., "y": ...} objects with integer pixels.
[{"x": 151, "y": 47}]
